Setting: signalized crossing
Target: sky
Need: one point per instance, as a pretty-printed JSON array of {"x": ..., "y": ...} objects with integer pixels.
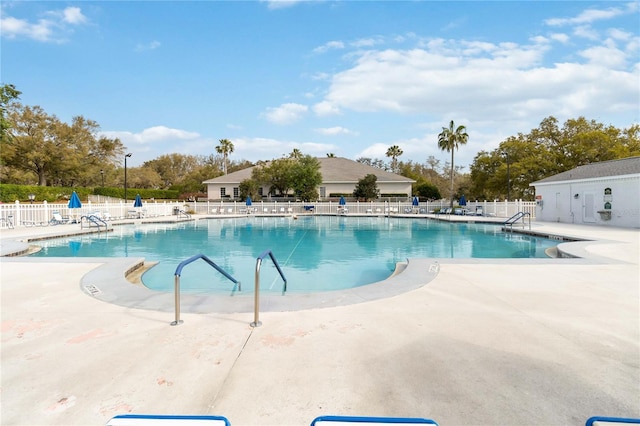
[{"x": 350, "y": 78}]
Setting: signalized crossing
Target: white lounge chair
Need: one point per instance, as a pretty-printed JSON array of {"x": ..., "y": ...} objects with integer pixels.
[{"x": 57, "y": 219}]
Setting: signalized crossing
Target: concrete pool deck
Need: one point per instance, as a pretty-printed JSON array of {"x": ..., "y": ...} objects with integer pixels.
[{"x": 481, "y": 342}]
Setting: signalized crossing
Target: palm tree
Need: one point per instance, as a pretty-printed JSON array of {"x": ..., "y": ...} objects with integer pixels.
[
  {"x": 449, "y": 140},
  {"x": 225, "y": 148},
  {"x": 394, "y": 152}
]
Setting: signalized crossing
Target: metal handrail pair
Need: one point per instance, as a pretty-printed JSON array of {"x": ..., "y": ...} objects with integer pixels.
[
  {"x": 256, "y": 322},
  {"x": 516, "y": 217},
  {"x": 94, "y": 219}
]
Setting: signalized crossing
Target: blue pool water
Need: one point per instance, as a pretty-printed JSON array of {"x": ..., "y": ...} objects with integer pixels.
[{"x": 316, "y": 253}]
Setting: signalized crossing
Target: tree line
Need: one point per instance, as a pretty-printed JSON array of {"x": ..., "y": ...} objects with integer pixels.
[{"x": 37, "y": 148}]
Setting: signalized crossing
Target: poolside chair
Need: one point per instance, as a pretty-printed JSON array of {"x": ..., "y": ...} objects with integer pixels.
[
  {"x": 214, "y": 210},
  {"x": 7, "y": 221},
  {"x": 371, "y": 421},
  {"x": 479, "y": 211},
  {"x": 57, "y": 219}
]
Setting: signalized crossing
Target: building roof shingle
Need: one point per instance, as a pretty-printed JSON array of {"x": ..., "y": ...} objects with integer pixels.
[
  {"x": 333, "y": 170},
  {"x": 624, "y": 166}
]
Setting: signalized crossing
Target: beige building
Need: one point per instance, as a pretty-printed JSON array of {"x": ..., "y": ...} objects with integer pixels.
[{"x": 339, "y": 176}]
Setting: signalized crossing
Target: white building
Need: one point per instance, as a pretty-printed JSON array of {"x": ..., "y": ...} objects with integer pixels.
[
  {"x": 339, "y": 176},
  {"x": 605, "y": 193}
]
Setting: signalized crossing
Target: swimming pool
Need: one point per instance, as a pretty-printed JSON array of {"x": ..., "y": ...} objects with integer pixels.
[{"x": 316, "y": 253}]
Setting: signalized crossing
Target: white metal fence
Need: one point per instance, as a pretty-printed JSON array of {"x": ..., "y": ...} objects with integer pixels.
[{"x": 25, "y": 214}]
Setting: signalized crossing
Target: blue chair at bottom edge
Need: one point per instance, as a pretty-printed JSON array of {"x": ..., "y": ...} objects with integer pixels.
[
  {"x": 160, "y": 420},
  {"x": 328, "y": 420},
  {"x": 610, "y": 421}
]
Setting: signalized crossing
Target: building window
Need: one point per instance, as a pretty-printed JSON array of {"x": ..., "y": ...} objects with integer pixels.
[
  {"x": 260, "y": 192},
  {"x": 223, "y": 192},
  {"x": 236, "y": 192},
  {"x": 323, "y": 191}
]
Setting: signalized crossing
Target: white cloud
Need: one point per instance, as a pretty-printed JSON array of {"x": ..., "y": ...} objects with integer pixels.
[
  {"x": 606, "y": 56},
  {"x": 320, "y": 76},
  {"x": 255, "y": 149},
  {"x": 561, "y": 37},
  {"x": 617, "y": 34},
  {"x": 141, "y": 47},
  {"x": 587, "y": 32},
  {"x": 367, "y": 42},
  {"x": 589, "y": 16},
  {"x": 13, "y": 28},
  {"x": 54, "y": 28},
  {"x": 481, "y": 81},
  {"x": 377, "y": 150},
  {"x": 152, "y": 135},
  {"x": 329, "y": 46},
  {"x": 281, "y": 4},
  {"x": 325, "y": 108},
  {"x": 285, "y": 114},
  {"x": 147, "y": 144},
  {"x": 73, "y": 15},
  {"x": 338, "y": 130}
]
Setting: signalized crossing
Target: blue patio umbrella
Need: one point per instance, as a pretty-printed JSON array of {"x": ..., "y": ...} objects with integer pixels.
[
  {"x": 74, "y": 201},
  {"x": 138, "y": 201},
  {"x": 463, "y": 201},
  {"x": 415, "y": 201},
  {"x": 248, "y": 201},
  {"x": 342, "y": 201}
]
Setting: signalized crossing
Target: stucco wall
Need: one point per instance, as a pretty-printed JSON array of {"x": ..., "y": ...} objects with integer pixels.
[
  {"x": 213, "y": 189},
  {"x": 580, "y": 201}
]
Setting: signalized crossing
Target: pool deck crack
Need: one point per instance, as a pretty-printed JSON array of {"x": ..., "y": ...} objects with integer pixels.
[{"x": 211, "y": 406}]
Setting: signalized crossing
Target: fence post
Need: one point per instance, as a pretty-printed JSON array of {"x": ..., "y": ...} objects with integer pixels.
[
  {"x": 16, "y": 219},
  {"x": 46, "y": 211}
]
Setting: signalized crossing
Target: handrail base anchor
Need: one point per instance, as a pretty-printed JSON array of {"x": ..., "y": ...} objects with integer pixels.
[
  {"x": 176, "y": 322},
  {"x": 256, "y": 324}
]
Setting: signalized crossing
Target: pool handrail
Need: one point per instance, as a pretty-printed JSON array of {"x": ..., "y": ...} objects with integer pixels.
[
  {"x": 256, "y": 322},
  {"x": 515, "y": 218},
  {"x": 178, "y": 272},
  {"x": 91, "y": 218}
]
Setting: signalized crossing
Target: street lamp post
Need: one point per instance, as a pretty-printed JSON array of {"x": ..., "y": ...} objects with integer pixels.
[
  {"x": 125, "y": 176},
  {"x": 32, "y": 197},
  {"x": 102, "y": 174}
]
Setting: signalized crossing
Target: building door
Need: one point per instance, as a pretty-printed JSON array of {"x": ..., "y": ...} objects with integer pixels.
[{"x": 589, "y": 209}]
